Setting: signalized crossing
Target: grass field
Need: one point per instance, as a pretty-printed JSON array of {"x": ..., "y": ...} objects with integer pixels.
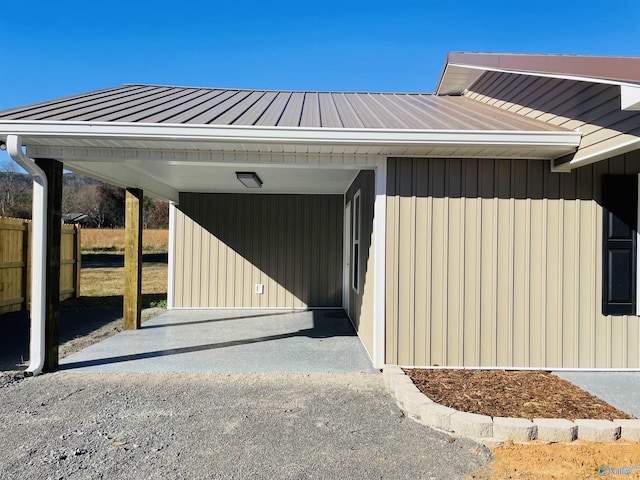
[
  {"x": 104, "y": 286},
  {"x": 111, "y": 240}
]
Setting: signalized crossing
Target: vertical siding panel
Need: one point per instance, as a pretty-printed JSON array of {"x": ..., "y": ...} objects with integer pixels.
[
  {"x": 601, "y": 328},
  {"x": 553, "y": 294},
  {"x": 569, "y": 252},
  {"x": 411, "y": 273},
  {"x": 196, "y": 253},
  {"x": 422, "y": 264},
  {"x": 214, "y": 256},
  {"x": 521, "y": 247},
  {"x": 272, "y": 260},
  {"x": 255, "y": 226},
  {"x": 281, "y": 247},
  {"x": 265, "y": 249},
  {"x": 289, "y": 249},
  {"x": 223, "y": 280},
  {"x": 537, "y": 255},
  {"x": 439, "y": 239},
  {"x": 586, "y": 229},
  {"x": 473, "y": 307},
  {"x": 405, "y": 262},
  {"x": 298, "y": 247},
  {"x": 455, "y": 264},
  {"x": 503, "y": 253},
  {"x": 306, "y": 254},
  {"x": 468, "y": 261},
  {"x": 322, "y": 250},
  {"x": 315, "y": 247},
  {"x": 232, "y": 274},
  {"x": 487, "y": 272},
  {"x": 248, "y": 242}
]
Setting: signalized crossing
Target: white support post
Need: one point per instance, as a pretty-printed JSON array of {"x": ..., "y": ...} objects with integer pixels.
[
  {"x": 380, "y": 263},
  {"x": 37, "y": 349},
  {"x": 171, "y": 277}
]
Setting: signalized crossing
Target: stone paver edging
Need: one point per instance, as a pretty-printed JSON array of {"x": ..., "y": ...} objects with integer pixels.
[{"x": 494, "y": 431}]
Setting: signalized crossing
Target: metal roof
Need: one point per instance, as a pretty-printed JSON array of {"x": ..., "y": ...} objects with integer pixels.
[
  {"x": 463, "y": 68},
  {"x": 155, "y": 104}
]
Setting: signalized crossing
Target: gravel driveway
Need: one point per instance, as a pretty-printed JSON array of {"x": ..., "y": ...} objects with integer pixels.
[{"x": 205, "y": 425}]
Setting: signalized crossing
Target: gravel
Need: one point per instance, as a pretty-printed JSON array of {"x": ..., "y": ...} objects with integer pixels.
[{"x": 233, "y": 426}]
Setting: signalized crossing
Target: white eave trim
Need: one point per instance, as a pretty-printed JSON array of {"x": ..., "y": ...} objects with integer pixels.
[{"x": 284, "y": 135}]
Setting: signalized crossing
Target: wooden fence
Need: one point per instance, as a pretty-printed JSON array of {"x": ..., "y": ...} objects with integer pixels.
[{"x": 15, "y": 263}]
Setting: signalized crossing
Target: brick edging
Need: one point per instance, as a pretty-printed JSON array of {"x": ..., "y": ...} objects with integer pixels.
[{"x": 493, "y": 431}]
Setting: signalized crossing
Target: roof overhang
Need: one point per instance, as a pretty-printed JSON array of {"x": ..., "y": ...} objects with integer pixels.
[
  {"x": 462, "y": 70},
  {"x": 142, "y": 155}
]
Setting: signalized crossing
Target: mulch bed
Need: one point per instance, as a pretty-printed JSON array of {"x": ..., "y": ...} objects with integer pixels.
[{"x": 507, "y": 393}]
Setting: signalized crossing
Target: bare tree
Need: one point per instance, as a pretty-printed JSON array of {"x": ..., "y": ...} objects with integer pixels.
[{"x": 15, "y": 198}]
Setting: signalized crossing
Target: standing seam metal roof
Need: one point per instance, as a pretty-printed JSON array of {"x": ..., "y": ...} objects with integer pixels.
[{"x": 215, "y": 106}]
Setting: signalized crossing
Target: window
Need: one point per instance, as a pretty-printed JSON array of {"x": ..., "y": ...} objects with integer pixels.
[
  {"x": 619, "y": 242},
  {"x": 355, "y": 258}
]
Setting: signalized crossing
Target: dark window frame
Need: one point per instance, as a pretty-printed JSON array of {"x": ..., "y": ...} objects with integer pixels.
[{"x": 619, "y": 244}]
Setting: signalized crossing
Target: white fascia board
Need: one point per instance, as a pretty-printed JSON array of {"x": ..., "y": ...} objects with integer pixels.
[
  {"x": 630, "y": 97},
  {"x": 581, "y": 161},
  {"x": 285, "y": 135}
]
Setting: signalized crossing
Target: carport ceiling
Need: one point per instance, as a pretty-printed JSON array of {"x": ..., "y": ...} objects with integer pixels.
[{"x": 222, "y": 178}]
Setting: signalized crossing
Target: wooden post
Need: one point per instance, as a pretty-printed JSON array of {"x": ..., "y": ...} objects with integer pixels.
[
  {"x": 133, "y": 259},
  {"x": 53, "y": 170}
]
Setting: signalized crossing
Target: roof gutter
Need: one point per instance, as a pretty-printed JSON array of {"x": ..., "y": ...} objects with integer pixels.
[
  {"x": 39, "y": 232},
  {"x": 285, "y": 135}
]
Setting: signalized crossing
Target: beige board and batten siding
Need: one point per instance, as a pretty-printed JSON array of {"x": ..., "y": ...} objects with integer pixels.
[
  {"x": 593, "y": 108},
  {"x": 361, "y": 302},
  {"x": 228, "y": 243},
  {"x": 499, "y": 263}
]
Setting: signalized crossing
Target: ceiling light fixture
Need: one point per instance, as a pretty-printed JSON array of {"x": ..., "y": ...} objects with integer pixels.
[{"x": 249, "y": 179}]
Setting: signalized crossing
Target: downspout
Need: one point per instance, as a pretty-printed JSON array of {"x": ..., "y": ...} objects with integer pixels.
[{"x": 38, "y": 254}]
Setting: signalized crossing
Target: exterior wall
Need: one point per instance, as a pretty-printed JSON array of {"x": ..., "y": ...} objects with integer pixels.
[
  {"x": 228, "y": 243},
  {"x": 499, "y": 263},
  {"x": 593, "y": 108},
  {"x": 361, "y": 304}
]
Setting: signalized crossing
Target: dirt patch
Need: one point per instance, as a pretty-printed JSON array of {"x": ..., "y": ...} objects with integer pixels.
[
  {"x": 501, "y": 393},
  {"x": 81, "y": 342},
  {"x": 559, "y": 461},
  {"x": 80, "y": 339}
]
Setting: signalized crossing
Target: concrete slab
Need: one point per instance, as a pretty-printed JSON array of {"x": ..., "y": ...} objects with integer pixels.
[
  {"x": 231, "y": 341},
  {"x": 620, "y": 389}
]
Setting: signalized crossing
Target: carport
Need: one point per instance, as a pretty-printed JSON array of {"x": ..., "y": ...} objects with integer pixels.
[{"x": 169, "y": 141}]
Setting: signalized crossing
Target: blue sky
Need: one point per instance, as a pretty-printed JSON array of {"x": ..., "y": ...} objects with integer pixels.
[{"x": 52, "y": 49}]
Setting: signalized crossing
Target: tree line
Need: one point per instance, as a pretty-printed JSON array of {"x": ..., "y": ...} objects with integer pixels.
[{"x": 103, "y": 204}]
